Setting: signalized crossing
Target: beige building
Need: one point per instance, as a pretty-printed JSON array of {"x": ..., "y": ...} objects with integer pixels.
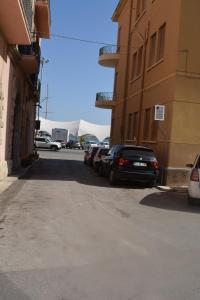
[
  {"x": 156, "y": 62},
  {"x": 22, "y": 24}
]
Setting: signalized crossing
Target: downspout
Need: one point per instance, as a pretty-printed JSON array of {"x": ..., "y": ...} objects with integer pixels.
[
  {"x": 142, "y": 85},
  {"x": 122, "y": 131}
]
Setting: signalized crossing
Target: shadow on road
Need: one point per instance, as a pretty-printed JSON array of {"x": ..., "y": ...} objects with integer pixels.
[
  {"x": 170, "y": 200},
  {"x": 70, "y": 170}
]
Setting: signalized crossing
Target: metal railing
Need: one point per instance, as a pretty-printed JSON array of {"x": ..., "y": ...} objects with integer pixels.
[
  {"x": 33, "y": 49},
  {"x": 108, "y": 50},
  {"x": 28, "y": 10},
  {"x": 45, "y": 1},
  {"x": 104, "y": 96}
]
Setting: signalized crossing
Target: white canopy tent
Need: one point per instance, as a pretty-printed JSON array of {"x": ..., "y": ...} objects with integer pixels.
[{"x": 77, "y": 128}]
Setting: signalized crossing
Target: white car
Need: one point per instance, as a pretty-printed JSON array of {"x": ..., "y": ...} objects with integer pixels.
[
  {"x": 194, "y": 182},
  {"x": 87, "y": 145},
  {"x": 102, "y": 151},
  {"x": 46, "y": 143}
]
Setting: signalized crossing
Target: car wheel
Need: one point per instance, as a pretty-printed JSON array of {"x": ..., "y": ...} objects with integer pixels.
[
  {"x": 151, "y": 184},
  {"x": 193, "y": 201},
  {"x": 54, "y": 148},
  {"x": 101, "y": 170},
  {"x": 112, "y": 177},
  {"x": 96, "y": 167}
]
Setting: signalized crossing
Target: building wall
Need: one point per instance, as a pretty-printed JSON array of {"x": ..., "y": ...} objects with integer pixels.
[
  {"x": 172, "y": 80},
  {"x": 19, "y": 68},
  {"x": 4, "y": 83},
  {"x": 185, "y": 133}
]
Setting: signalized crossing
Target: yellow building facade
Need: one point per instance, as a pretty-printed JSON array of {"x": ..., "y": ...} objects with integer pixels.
[{"x": 156, "y": 62}]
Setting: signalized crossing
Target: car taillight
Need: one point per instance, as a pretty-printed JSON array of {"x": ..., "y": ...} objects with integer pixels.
[
  {"x": 122, "y": 162},
  {"x": 154, "y": 164},
  {"x": 194, "y": 175}
]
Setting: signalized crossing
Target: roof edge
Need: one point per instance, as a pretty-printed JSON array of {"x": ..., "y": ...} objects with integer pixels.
[{"x": 118, "y": 10}]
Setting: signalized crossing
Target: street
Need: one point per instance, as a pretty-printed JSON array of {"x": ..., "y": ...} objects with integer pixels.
[{"x": 66, "y": 234}]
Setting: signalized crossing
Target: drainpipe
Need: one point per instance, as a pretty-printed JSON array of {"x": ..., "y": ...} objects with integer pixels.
[
  {"x": 142, "y": 85},
  {"x": 122, "y": 129}
]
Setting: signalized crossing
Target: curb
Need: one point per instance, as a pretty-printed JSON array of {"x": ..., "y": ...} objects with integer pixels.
[
  {"x": 10, "y": 179},
  {"x": 181, "y": 189}
]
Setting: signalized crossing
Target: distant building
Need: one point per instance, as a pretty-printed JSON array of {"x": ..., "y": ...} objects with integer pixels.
[
  {"x": 77, "y": 128},
  {"x": 22, "y": 24},
  {"x": 156, "y": 62}
]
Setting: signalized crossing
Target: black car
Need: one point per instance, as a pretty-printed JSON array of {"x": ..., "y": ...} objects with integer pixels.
[{"x": 130, "y": 163}]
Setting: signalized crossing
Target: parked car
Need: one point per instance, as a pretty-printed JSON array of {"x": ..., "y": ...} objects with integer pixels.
[
  {"x": 87, "y": 145},
  {"x": 102, "y": 151},
  {"x": 73, "y": 145},
  {"x": 194, "y": 182},
  {"x": 46, "y": 143},
  {"x": 89, "y": 155},
  {"x": 103, "y": 144},
  {"x": 130, "y": 163},
  {"x": 63, "y": 143}
]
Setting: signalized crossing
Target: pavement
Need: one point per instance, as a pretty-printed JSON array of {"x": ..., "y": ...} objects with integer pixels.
[
  {"x": 66, "y": 234},
  {"x": 11, "y": 179}
]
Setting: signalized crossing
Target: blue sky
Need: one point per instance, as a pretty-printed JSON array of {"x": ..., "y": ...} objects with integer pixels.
[{"x": 73, "y": 74}]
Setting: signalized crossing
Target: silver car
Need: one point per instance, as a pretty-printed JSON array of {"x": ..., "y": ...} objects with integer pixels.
[{"x": 46, "y": 143}]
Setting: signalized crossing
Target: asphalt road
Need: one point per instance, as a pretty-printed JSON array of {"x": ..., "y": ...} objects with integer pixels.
[{"x": 65, "y": 234}]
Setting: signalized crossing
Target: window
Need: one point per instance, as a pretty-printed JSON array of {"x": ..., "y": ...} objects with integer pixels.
[
  {"x": 150, "y": 126},
  {"x": 152, "y": 50},
  {"x": 141, "y": 5},
  {"x": 119, "y": 39},
  {"x": 161, "y": 42},
  {"x": 157, "y": 46},
  {"x": 139, "y": 61},
  {"x": 134, "y": 66},
  {"x": 115, "y": 84},
  {"x": 138, "y": 9}
]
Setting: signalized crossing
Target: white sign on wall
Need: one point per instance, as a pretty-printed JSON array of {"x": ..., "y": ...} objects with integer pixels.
[{"x": 159, "y": 113}]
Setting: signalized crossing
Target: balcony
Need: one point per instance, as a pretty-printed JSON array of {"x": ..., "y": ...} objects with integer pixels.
[
  {"x": 43, "y": 18},
  {"x": 104, "y": 100},
  {"x": 108, "y": 56},
  {"x": 16, "y": 21},
  {"x": 30, "y": 58}
]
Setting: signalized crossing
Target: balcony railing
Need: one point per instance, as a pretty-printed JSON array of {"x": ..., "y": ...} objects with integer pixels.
[
  {"x": 108, "y": 50},
  {"x": 104, "y": 100},
  {"x": 104, "y": 97},
  {"x": 109, "y": 56},
  {"x": 28, "y": 10},
  {"x": 30, "y": 57}
]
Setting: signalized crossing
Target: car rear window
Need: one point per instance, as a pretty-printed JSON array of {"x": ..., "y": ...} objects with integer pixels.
[{"x": 128, "y": 152}]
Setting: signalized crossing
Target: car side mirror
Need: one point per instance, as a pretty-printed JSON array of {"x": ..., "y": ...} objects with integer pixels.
[{"x": 189, "y": 165}]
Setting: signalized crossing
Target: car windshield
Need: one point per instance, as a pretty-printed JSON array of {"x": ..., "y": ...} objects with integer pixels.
[{"x": 49, "y": 140}]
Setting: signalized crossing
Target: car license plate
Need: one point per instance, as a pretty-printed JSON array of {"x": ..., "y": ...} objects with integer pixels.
[{"x": 139, "y": 164}]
